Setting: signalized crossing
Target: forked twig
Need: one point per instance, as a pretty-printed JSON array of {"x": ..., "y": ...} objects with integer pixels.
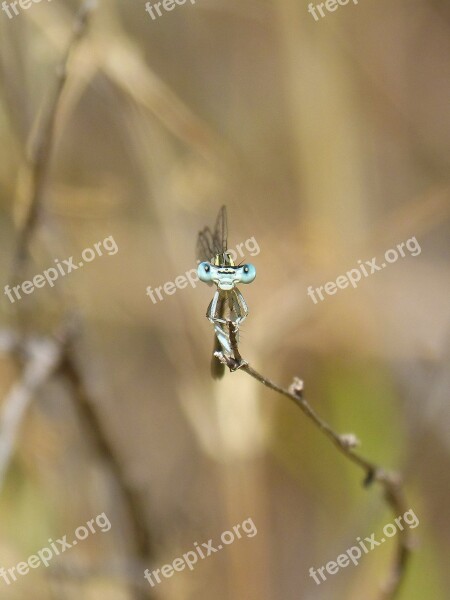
[{"x": 388, "y": 480}]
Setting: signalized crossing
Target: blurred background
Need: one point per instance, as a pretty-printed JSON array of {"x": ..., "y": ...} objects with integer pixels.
[{"x": 329, "y": 143}]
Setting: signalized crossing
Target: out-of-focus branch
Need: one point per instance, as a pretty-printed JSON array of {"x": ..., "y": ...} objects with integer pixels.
[
  {"x": 44, "y": 364},
  {"x": 39, "y": 163},
  {"x": 40, "y": 367},
  {"x": 91, "y": 422},
  {"x": 43, "y": 357},
  {"x": 119, "y": 58},
  {"x": 389, "y": 481},
  {"x": 41, "y": 153}
]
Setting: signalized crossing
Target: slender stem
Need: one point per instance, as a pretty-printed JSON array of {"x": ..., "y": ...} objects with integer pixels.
[
  {"x": 42, "y": 359},
  {"x": 389, "y": 481},
  {"x": 40, "y": 159},
  {"x": 39, "y": 165},
  {"x": 140, "y": 536}
]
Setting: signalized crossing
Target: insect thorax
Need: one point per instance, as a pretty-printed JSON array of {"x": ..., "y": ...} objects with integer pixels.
[{"x": 223, "y": 260}]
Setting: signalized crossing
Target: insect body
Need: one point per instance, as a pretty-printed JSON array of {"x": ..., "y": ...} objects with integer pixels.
[{"x": 228, "y": 304}]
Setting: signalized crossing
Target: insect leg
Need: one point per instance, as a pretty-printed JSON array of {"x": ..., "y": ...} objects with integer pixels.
[
  {"x": 223, "y": 338},
  {"x": 242, "y": 308},
  {"x": 212, "y": 308}
]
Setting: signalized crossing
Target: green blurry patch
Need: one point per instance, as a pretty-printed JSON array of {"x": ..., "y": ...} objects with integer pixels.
[
  {"x": 25, "y": 515},
  {"x": 353, "y": 397},
  {"x": 361, "y": 399},
  {"x": 423, "y": 577}
]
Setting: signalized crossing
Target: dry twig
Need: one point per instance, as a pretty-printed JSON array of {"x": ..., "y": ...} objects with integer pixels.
[{"x": 389, "y": 481}]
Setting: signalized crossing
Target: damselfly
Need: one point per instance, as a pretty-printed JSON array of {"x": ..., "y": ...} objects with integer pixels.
[{"x": 228, "y": 305}]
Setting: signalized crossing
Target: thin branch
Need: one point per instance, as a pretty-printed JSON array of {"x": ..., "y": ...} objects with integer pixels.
[
  {"x": 143, "y": 547},
  {"x": 39, "y": 370},
  {"x": 41, "y": 153},
  {"x": 46, "y": 358},
  {"x": 42, "y": 359},
  {"x": 388, "y": 480}
]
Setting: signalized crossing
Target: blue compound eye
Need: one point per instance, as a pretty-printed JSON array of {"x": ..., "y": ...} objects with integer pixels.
[
  {"x": 204, "y": 272},
  {"x": 248, "y": 273}
]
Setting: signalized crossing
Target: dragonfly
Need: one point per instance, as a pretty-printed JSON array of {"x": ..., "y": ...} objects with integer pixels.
[{"x": 228, "y": 304}]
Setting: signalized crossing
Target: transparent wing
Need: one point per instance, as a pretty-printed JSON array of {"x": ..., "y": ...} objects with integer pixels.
[
  {"x": 209, "y": 244},
  {"x": 205, "y": 245},
  {"x": 221, "y": 231}
]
